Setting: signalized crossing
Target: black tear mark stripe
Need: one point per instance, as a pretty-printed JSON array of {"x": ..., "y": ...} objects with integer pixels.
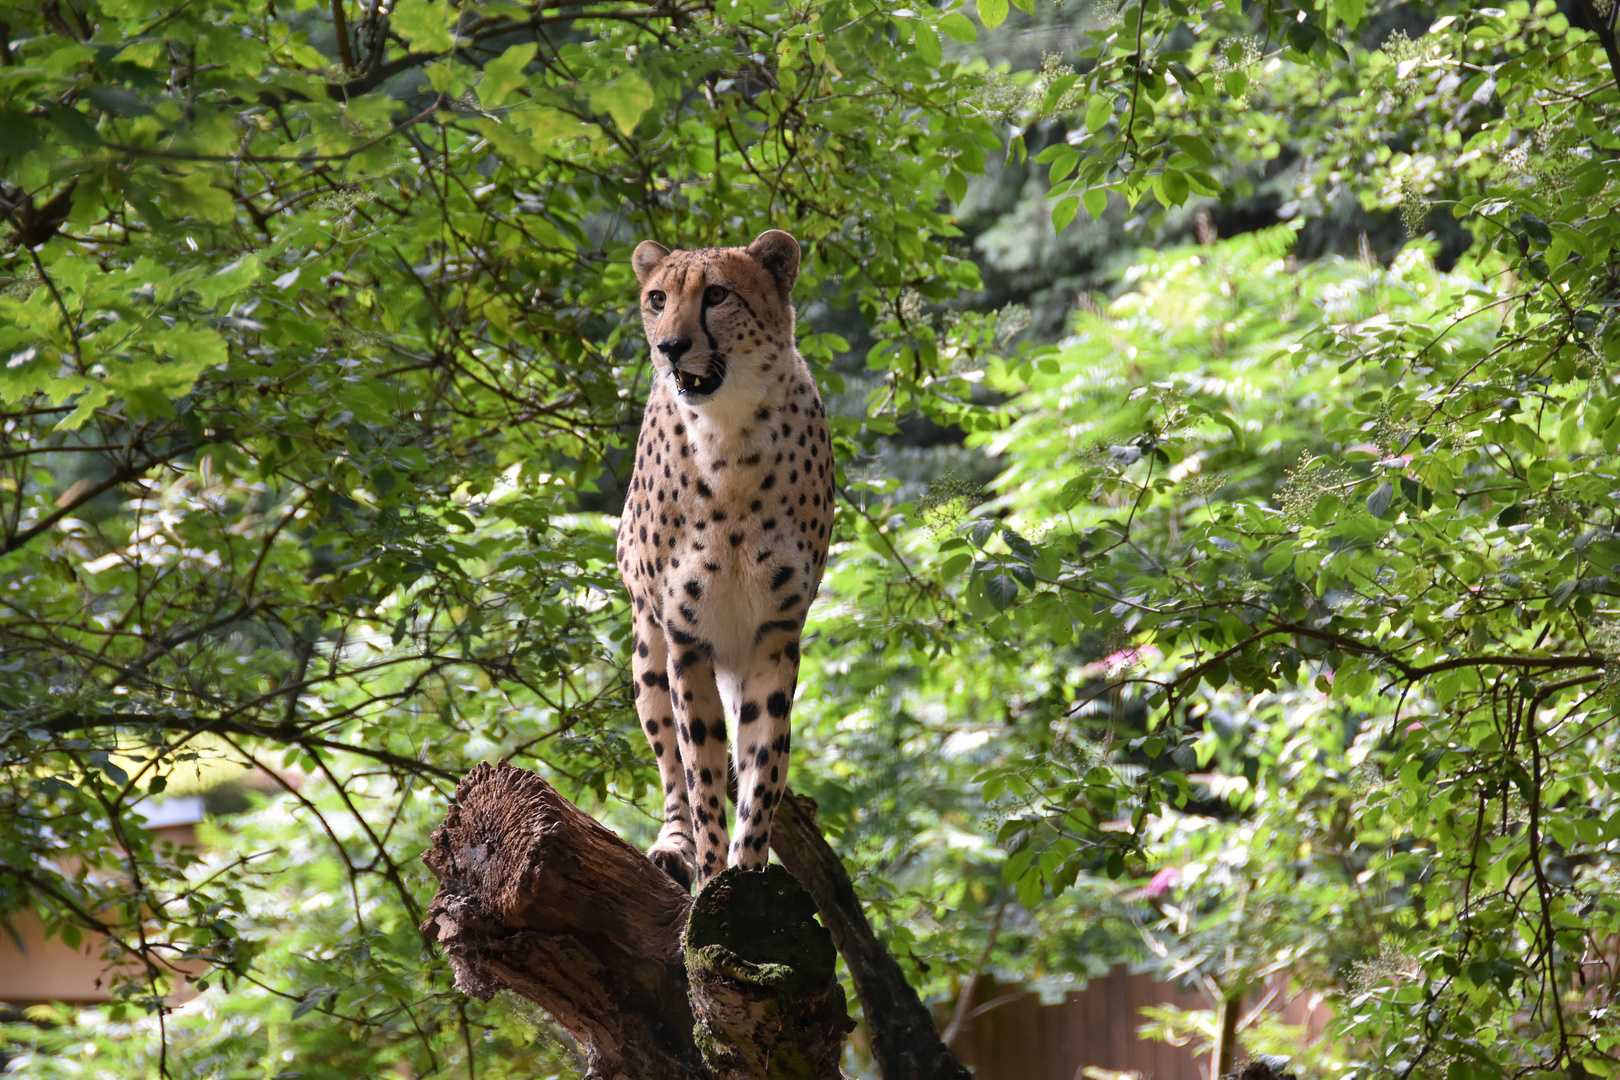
[{"x": 714, "y": 346}]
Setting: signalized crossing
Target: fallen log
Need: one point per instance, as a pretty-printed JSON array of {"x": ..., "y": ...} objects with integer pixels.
[{"x": 538, "y": 898}]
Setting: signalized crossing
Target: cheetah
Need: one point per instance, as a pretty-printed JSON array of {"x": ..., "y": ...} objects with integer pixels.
[{"x": 723, "y": 540}]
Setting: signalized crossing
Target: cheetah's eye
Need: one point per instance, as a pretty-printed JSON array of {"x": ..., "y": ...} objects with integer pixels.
[
  {"x": 656, "y": 299},
  {"x": 714, "y": 294}
]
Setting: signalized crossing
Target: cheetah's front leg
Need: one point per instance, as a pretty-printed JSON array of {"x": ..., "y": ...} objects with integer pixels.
[
  {"x": 764, "y": 738},
  {"x": 673, "y": 851},
  {"x": 700, "y": 720}
]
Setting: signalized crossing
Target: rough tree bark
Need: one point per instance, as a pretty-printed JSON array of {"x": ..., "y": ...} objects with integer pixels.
[
  {"x": 538, "y": 898},
  {"x": 906, "y": 1043}
]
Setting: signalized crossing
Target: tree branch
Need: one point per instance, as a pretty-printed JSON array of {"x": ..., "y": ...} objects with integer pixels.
[
  {"x": 66, "y": 722},
  {"x": 120, "y": 476},
  {"x": 905, "y": 1041}
]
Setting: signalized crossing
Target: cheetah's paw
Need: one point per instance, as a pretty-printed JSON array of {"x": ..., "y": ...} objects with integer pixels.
[{"x": 674, "y": 862}]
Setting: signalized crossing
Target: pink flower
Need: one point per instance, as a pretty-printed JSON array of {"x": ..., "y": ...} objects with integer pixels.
[
  {"x": 1162, "y": 882},
  {"x": 1124, "y": 658}
]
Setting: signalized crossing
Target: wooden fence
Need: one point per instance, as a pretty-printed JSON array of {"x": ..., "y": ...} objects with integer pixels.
[{"x": 1022, "y": 1039}]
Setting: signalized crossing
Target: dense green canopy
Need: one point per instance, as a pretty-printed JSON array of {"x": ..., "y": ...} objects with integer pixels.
[{"x": 1226, "y": 407}]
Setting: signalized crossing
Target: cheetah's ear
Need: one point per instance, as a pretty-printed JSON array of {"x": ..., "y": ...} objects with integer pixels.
[
  {"x": 777, "y": 252},
  {"x": 648, "y": 254}
]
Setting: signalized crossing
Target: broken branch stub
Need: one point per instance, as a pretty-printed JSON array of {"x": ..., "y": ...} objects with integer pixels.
[
  {"x": 764, "y": 981},
  {"x": 538, "y": 898}
]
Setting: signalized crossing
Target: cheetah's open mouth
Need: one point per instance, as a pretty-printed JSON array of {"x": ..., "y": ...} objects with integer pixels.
[{"x": 691, "y": 383}]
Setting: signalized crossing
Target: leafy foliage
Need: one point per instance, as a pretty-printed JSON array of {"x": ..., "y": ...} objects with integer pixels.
[
  {"x": 1267, "y": 621},
  {"x": 314, "y": 354}
]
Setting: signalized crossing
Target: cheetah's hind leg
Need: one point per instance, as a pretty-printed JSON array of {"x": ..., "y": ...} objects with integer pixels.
[
  {"x": 673, "y": 852},
  {"x": 763, "y": 743}
]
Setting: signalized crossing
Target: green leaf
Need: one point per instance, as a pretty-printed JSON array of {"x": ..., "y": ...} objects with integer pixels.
[
  {"x": 1031, "y": 889},
  {"x": 1064, "y": 212},
  {"x": 1055, "y": 92},
  {"x": 960, "y": 27},
  {"x": 992, "y": 13},
  {"x": 1203, "y": 184},
  {"x": 928, "y": 46},
  {"x": 625, "y": 99},
  {"x": 1378, "y": 502},
  {"x": 426, "y": 24},
  {"x": 85, "y": 406},
  {"x": 1535, "y": 228},
  {"x": 1195, "y": 148},
  {"x": 504, "y": 74},
  {"x": 118, "y": 100},
  {"x": 18, "y": 134},
  {"x": 1001, "y": 589},
  {"x": 313, "y": 1000},
  {"x": 1099, "y": 110},
  {"x": 1187, "y": 80},
  {"x": 1171, "y": 186},
  {"x": 956, "y": 185},
  {"x": 1095, "y": 201},
  {"x": 72, "y": 125},
  {"x": 1351, "y": 11},
  {"x": 229, "y": 280},
  {"x": 1063, "y": 165},
  {"x": 372, "y": 401},
  {"x": 1021, "y": 548}
]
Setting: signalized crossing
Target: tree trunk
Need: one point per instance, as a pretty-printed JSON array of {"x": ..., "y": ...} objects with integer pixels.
[
  {"x": 1223, "y": 1058},
  {"x": 905, "y": 1041},
  {"x": 538, "y": 898}
]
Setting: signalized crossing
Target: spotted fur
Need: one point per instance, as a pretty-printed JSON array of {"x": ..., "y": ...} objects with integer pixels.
[{"x": 723, "y": 540}]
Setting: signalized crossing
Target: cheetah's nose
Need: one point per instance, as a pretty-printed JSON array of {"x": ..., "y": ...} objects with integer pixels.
[{"x": 674, "y": 348}]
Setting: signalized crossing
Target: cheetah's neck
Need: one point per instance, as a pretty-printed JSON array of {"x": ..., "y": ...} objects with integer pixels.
[{"x": 734, "y": 427}]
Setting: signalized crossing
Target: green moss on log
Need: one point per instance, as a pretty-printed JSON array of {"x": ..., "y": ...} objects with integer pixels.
[{"x": 763, "y": 974}]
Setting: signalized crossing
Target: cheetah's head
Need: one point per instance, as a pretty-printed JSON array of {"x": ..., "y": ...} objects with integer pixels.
[{"x": 719, "y": 318}]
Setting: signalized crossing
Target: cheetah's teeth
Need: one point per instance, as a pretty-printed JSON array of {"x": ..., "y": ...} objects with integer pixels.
[{"x": 687, "y": 382}]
